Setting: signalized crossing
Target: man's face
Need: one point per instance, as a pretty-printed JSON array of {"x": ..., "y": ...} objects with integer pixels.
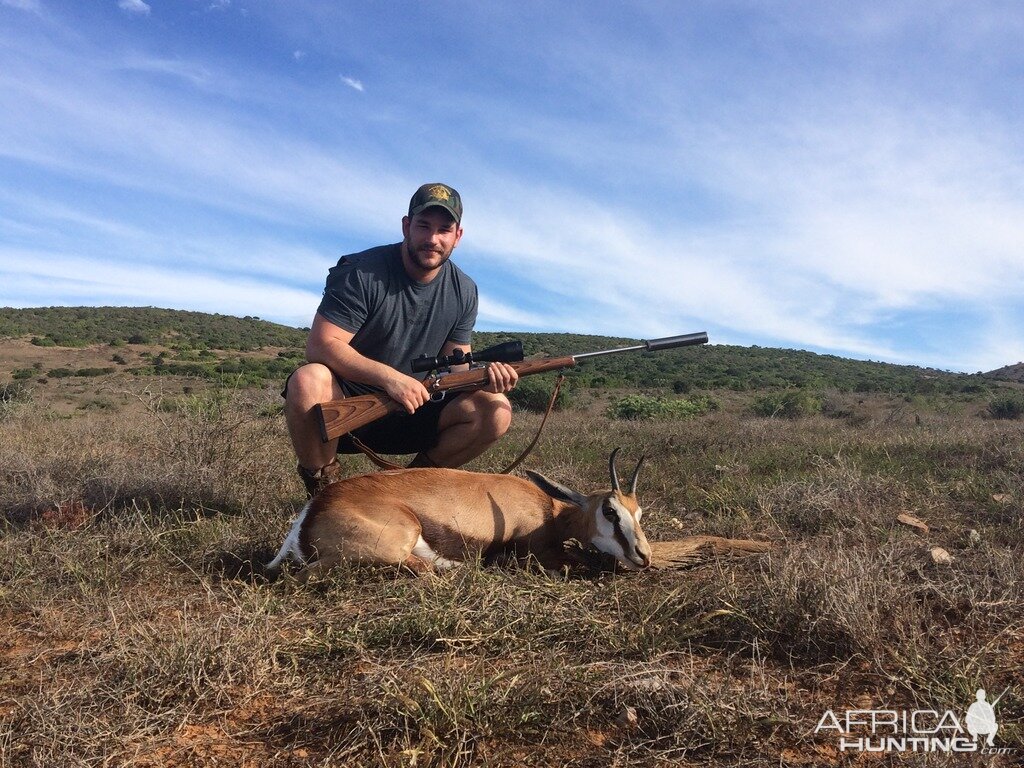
[{"x": 430, "y": 237}]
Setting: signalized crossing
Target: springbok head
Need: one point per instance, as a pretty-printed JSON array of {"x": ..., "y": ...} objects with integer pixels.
[{"x": 613, "y": 517}]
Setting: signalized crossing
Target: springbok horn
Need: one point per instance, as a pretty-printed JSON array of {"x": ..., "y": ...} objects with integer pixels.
[
  {"x": 611, "y": 468},
  {"x": 636, "y": 474}
]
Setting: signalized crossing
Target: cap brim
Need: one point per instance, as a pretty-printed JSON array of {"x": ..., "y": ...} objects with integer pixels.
[{"x": 435, "y": 204}]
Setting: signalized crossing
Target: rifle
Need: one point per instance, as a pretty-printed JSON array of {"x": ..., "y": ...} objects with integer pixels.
[{"x": 338, "y": 417}]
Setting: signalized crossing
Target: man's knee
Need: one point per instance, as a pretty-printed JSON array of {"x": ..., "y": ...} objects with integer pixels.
[
  {"x": 495, "y": 414},
  {"x": 311, "y": 382}
]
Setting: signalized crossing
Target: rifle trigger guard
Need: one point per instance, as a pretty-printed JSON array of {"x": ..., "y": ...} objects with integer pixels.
[{"x": 437, "y": 397}]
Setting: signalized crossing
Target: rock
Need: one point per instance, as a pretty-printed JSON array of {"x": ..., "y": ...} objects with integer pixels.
[{"x": 941, "y": 556}]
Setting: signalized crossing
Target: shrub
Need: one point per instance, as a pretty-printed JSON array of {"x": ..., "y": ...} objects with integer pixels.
[
  {"x": 23, "y": 373},
  {"x": 12, "y": 396},
  {"x": 43, "y": 341},
  {"x": 1006, "y": 407},
  {"x": 535, "y": 394},
  {"x": 647, "y": 407},
  {"x": 791, "y": 404}
]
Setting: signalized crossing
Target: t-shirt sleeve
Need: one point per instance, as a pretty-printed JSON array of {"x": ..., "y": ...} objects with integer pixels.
[
  {"x": 462, "y": 333},
  {"x": 345, "y": 302}
]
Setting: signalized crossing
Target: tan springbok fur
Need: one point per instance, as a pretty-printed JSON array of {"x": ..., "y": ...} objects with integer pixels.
[{"x": 427, "y": 519}]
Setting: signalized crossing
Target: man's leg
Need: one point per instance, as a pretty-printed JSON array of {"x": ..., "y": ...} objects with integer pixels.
[
  {"x": 309, "y": 385},
  {"x": 467, "y": 427}
]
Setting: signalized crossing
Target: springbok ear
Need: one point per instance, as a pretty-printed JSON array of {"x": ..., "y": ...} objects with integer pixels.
[{"x": 556, "y": 490}]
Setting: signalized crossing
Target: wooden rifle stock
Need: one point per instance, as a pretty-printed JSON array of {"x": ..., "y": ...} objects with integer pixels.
[{"x": 339, "y": 417}]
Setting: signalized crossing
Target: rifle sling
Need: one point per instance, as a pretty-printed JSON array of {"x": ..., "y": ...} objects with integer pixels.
[
  {"x": 384, "y": 464},
  {"x": 551, "y": 406},
  {"x": 372, "y": 455}
]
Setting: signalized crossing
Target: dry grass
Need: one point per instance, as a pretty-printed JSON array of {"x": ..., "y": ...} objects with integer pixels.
[{"x": 135, "y": 628}]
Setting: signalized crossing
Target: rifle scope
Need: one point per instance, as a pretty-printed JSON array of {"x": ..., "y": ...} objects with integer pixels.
[{"x": 506, "y": 352}]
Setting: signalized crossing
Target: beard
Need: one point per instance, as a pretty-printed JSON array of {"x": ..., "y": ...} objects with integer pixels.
[{"x": 424, "y": 256}]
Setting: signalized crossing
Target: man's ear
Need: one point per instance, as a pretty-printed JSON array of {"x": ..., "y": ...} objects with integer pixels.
[
  {"x": 556, "y": 490},
  {"x": 406, "y": 221}
]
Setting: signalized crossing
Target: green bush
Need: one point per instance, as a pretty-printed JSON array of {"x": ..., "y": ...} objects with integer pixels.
[
  {"x": 791, "y": 404},
  {"x": 1007, "y": 407},
  {"x": 23, "y": 373},
  {"x": 60, "y": 373},
  {"x": 43, "y": 341},
  {"x": 647, "y": 407},
  {"x": 534, "y": 395}
]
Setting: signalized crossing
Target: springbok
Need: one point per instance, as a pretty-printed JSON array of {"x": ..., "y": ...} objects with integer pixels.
[{"x": 433, "y": 519}]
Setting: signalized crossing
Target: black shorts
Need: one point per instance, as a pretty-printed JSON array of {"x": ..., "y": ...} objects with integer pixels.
[{"x": 400, "y": 432}]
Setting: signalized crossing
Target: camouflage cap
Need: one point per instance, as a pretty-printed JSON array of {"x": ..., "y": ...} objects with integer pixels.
[{"x": 436, "y": 194}]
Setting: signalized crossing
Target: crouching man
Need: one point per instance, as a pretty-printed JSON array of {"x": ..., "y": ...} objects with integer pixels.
[{"x": 381, "y": 308}]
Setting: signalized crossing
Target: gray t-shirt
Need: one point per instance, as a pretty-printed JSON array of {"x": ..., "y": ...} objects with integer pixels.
[{"x": 394, "y": 318}]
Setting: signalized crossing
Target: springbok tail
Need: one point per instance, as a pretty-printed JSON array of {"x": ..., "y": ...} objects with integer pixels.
[{"x": 290, "y": 548}]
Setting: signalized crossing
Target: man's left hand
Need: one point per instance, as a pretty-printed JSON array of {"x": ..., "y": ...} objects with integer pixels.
[{"x": 501, "y": 377}]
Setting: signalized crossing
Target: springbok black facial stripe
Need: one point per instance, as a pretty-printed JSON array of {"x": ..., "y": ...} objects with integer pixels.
[{"x": 617, "y": 532}]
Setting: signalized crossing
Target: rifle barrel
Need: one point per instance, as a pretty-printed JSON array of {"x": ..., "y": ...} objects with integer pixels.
[{"x": 668, "y": 342}]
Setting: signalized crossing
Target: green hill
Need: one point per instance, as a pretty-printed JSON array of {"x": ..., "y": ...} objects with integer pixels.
[
  {"x": 718, "y": 366},
  {"x": 188, "y": 337},
  {"x": 82, "y": 326},
  {"x": 1013, "y": 372}
]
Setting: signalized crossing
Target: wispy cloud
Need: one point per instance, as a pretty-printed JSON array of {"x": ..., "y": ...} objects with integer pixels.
[
  {"x": 64, "y": 279},
  {"x": 32, "y": 6},
  {"x": 219, "y": 5},
  {"x": 134, "y": 7},
  {"x": 636, "y": 182},
  {"x": 352, "y": 83},
  {"x": 188, "y": 71}
]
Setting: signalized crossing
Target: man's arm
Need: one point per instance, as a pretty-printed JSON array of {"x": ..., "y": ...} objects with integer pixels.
[
  {"x": 503, "y": 377},
  {"x": 330, "y": 345}
]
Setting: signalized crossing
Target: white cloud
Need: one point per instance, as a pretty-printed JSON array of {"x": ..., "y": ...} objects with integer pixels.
[
  {"x": 135, "y": 7},
  {"x": 193, "y": 73},
  {"x": 32, "y": 6},
  {"x": 298, "y": 55},
  {"x": 352, "y": 83},
  {"x": 499, "y": 314},
  {"x": 46, "y": 277},
  {"x": 219, "y": 5},
  {"x": 793, "y": 216}
]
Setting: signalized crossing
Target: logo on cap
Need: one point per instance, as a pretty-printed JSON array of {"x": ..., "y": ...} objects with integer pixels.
[{"x": 440, "y": 192}]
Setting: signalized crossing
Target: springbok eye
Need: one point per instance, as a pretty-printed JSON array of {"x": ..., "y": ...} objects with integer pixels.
[{"x": 610, "y": 513}]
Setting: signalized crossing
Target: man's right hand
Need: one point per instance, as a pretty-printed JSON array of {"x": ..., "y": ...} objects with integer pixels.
[{"x": 406, "y": 390}]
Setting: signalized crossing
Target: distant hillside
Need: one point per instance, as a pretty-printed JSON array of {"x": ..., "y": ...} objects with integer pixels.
[
  {"x": 81, "y": 326},
  {"x": 188, "y": 337},
  {"x": 738, "y": 368},
  {"x": 1007, "y": 373}
]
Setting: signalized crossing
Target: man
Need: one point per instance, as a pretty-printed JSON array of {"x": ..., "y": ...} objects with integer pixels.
[{"x": 382, "y": 308}]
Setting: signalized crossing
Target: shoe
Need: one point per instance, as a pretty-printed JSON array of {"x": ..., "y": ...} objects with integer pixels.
[{"x": 320, "y": 479}]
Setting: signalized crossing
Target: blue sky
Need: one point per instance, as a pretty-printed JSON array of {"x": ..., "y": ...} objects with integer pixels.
[{"x": 840, "y": 177}]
